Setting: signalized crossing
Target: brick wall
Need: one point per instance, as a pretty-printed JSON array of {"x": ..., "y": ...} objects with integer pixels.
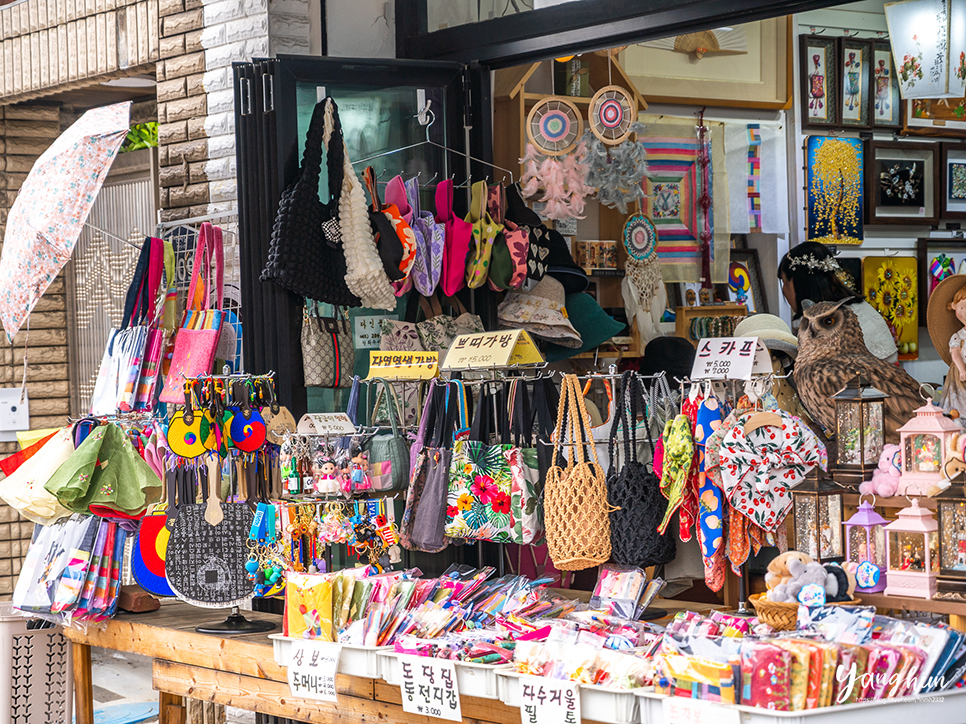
[{"x": 196, "y": 133}]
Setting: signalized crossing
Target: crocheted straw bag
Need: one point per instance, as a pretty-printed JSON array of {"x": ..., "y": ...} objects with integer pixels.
[{"x": 575, "y": 497}]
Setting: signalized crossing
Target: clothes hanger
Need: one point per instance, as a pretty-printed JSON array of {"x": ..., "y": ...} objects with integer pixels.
[
  {"x": 430, "y": 142},
  {"x": 762, "y": 418}
]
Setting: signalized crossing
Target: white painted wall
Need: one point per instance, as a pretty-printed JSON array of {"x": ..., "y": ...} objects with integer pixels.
[{"x": 361, "y": 28}]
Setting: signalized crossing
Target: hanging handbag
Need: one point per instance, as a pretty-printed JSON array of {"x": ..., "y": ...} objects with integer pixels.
[
  {"x": 328, "y": 356},
  {"x": 388, "y": 453},
  {"x": 197, "y": 339},
  {"x": 394, "y": 238},
  {"x": 147, "y": 389},
  {"x": 526, "y": 485},
  {"x": 425, "y": 515},
  {"x": 117, "y": 379},
  {"x": 305, "y": 252},
  {"x": 458, "y": 235},
  {"x": 508, "y": 265},
  {"x": 575, "y": 497},
  {"x": 546, "y": 400},
  {"x": 634, "y": 491},
  {"x": 480, "y": 481},
  {"x": 429, "y": 261},
  {"x": 439, "y": 330},
  {"x": 485, "y": 231}
]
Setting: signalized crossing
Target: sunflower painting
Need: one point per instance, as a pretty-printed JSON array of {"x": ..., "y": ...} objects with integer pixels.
[{"x": 890, "y": 284}]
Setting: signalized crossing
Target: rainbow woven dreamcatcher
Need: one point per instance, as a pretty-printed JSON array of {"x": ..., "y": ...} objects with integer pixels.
[{"x": 612, "y": 111}]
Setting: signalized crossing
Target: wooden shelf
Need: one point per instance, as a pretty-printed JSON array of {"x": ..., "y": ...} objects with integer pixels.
[
  {"x": 532, "y": 98},
  {"x": 905, "y": 603}
]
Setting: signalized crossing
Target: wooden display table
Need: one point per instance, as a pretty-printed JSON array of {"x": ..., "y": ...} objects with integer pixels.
[{"x": 240, "y": 671}]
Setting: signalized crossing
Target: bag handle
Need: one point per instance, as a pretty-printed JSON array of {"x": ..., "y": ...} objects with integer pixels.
[
  {"x": 334, "y": 152},
  {"x": 370, "y": 178},
  {"x": 444, "y": 201},
  {"x": 521, "y": 414},
  {"x": 457, "y": 304},
  {"x": 478, "y": 202},
  {"x": 390, "y": 397},
  {"x": 133, "y": 302},
  {"x": 200, "y": 299}
]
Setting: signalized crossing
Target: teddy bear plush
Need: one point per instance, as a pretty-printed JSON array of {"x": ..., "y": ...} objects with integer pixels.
[
  {"x": 778, "y": 572},
  {"x": 802, "y": 574},
  {"x": 885, "y": 479}
]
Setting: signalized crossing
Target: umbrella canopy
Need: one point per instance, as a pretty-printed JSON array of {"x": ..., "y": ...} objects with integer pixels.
[{"x": 46, "y": 219}]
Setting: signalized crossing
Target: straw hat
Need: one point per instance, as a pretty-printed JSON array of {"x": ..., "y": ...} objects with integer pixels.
[
  {"x": 542, "y": 312},
  {"x": 940, "y": 320},
  {"x": 772, "y": 331}
]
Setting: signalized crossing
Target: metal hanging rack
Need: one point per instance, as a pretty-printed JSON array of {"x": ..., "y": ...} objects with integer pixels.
[{"x": 429, "y": 142}]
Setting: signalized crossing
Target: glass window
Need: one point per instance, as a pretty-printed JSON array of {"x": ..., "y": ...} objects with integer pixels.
[
  {"x": 953, "y": 518},
  {"x": 872, "y": 414},
  {"x": 441, "y": 14},
  {"x": 847, "y": 414},
  {"x": 927, "y": 454}
]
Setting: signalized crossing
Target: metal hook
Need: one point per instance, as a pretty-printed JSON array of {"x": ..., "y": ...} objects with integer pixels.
[{"x": 431, "y": 180}]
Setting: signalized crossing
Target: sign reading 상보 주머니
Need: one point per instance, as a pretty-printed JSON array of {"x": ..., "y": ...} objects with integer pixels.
[
  {"x": 429, "y": 687},
  {"x": 312, "y": 669},
  {"x": 730, "y": 358}
]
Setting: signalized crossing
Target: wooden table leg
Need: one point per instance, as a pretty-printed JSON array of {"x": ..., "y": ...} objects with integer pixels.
[
  {"x": 957, "y": 621},
  {"x": 171, "y": 708},
  {"x": 83, "y": 691}
]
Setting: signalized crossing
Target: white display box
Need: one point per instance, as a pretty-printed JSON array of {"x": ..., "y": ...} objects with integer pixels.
[
  {"x": 597, "y": 703},
  {"x": 950, "y": 710},
  {"x": 477, "y": 680},
  {"x": 354, "y": 661}
]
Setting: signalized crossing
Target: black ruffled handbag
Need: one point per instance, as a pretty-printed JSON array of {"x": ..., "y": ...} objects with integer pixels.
[
  {"x": 634, "y": 490},
  {"x": 306, "y": 255}
]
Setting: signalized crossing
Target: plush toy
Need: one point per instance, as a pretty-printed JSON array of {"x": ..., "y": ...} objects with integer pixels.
[
  {"x": 885, "y": 479},
  {"x": 778, "y": 572},
  {"x": 840, "y": 583},
  {"x": 803, "y": 573}
]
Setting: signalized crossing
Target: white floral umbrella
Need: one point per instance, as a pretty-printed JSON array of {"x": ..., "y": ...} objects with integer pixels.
[{"x": 46, "y": 219}]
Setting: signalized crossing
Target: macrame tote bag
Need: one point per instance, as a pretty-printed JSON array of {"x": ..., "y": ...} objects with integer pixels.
[
  {"x": 575, "y": 497},
  {"x": 634, "y": 490},
  {"x": 197, "y": 340},
  {"x": 305, "y": 253}
]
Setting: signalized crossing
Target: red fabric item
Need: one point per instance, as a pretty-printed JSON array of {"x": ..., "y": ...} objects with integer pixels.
[{"x": 11, "y": 463}]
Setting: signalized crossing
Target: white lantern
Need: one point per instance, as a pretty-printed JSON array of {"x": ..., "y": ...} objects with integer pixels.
[{"x": 928, "y": 40}]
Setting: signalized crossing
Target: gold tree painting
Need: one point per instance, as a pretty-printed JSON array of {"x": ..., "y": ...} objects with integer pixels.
[{"x": 834, "y": 190}]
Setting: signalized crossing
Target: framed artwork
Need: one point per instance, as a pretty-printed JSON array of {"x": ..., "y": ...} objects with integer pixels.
[
  {"x": 890, "y": 284},
  {"x": 834, "y": 192},
  {"x": 935, "y": 117},
  {"x": 930, "y": 62},
  {"x": 902, "y": 180},
  {"x": 885, "y": 105},
  {"x": 744, "y": 281},
  {"x": 952, "y": 181},
  {"x": 819, "y": 81},
  {"x": 855, "y": 61},
  {"x": 743, "y": 66}
]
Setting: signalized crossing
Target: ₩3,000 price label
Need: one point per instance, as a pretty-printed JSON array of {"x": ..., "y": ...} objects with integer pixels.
[{"x": 429, "y": 687}]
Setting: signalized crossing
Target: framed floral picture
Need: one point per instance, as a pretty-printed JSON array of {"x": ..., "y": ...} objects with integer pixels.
[
  {"x": 935, "y": 117},
  {"x": 952, "y": 178},
  {"x": 890, "y": 284},
  {"x": 855, "y": 62},
  {"x": 885, "y": 105},
  {"x": 901, "y": 183},
  {"x": 819, "y": 81},
  {"x": 930, "y": 47}
]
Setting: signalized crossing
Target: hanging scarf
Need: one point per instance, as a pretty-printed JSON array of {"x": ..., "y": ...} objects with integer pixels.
[
  {"x": 711, "y": 507},
  {"x": 689, "y": 501},
  {"x": 678, "y": 458}
]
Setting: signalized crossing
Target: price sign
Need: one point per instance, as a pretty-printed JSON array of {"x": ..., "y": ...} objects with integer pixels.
[
  {"x": 312, "y": 669},
  {"x": 730, "y": 358},
  {"x": 326, "y": 423},
  {"x": 678, "y": 710},
  {"x": 547, "y": 701},
  {"x": 429, "y": 687},
  {"x": 367, "y": 330},
  {"x": 492, "y": 349},
  {"x": 403, "y": 365}
]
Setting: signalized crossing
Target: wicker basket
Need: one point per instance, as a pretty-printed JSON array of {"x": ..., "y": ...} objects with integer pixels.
[{"x": 784, "y": 616}]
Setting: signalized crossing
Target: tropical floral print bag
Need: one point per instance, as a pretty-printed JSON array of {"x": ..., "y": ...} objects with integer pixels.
[{"x": 478, "y": 504}]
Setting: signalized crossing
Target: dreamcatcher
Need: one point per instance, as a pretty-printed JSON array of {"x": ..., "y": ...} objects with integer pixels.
[
  {"x": 612, "y": 112},
  {"x": 617, "y": 171},
  {"x": 554, "y": 127},
  {"x": 643, "y": 285}
]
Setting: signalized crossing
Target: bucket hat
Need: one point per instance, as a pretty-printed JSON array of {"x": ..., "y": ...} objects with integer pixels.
[
  {"x": 593, "y": 324},
  {"x": 771, "y": 330},
  {"x": 542, "y": 311}
]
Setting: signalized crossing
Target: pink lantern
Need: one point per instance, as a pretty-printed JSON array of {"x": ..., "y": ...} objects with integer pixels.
[
  {"x": 913, "y": 548},
  {"x": 866, "y": 547},
  {"x": 923, "y": 443}
]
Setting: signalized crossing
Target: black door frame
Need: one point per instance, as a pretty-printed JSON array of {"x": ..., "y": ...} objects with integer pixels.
[{"x": 575, "y": 27}]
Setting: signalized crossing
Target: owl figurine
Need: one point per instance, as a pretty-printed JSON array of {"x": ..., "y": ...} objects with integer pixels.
[{"x": 831, "y": 351}]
